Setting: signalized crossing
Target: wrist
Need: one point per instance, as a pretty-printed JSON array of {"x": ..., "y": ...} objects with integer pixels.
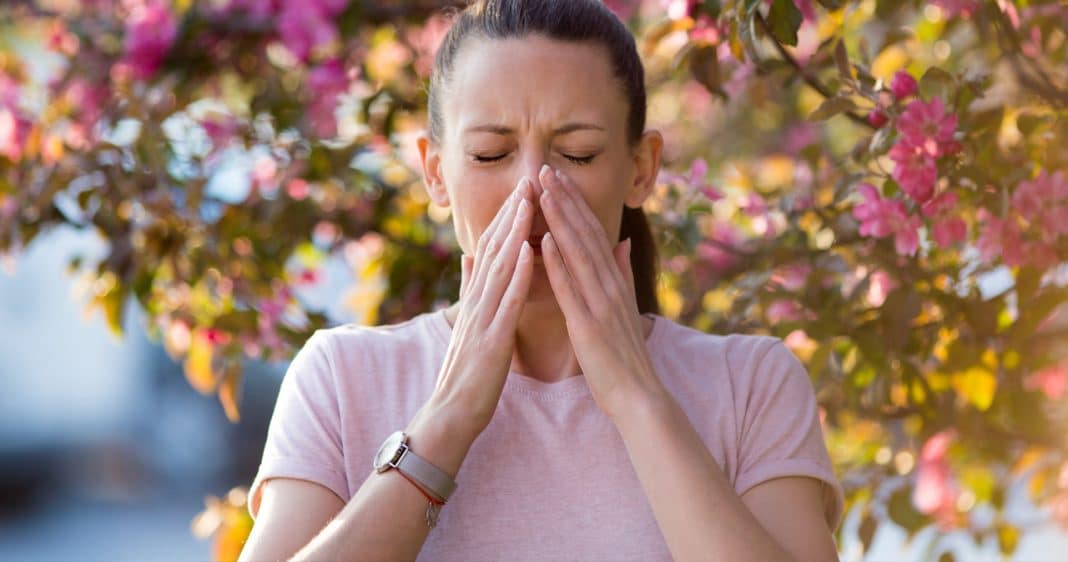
[{"x": 435, "y": 435}]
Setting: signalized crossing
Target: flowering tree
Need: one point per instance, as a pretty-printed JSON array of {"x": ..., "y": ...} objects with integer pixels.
[{"x": 881, "y": 183}]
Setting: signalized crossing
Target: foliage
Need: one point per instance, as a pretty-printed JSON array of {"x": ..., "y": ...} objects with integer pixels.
[{"x": 881, "y": 183}]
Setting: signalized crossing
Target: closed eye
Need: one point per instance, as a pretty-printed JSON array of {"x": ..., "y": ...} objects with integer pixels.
[{"x": 580, "y": 160}]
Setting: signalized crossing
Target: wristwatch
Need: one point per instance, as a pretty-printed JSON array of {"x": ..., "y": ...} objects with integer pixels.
[{"x": 395, "y": 453}]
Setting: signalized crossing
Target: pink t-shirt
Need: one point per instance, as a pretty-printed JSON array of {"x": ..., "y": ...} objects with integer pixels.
[{"x": 549, "y": 478}]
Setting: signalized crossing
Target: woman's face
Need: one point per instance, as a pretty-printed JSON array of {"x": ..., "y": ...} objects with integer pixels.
[{"x": 513, "y": 105}]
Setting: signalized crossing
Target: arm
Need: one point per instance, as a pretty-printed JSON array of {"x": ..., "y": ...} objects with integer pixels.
[
  {"x": 386, "y": 518},
  {"x": 700, "y": 515}
]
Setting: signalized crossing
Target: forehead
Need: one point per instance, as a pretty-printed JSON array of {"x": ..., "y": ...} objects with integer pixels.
[{"x": 533, "y": 82}]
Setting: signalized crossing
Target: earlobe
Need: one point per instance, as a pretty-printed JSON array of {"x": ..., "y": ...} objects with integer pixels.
[
  {"x": 646, "y": 168},
  {"x": 430, "y": 157}
]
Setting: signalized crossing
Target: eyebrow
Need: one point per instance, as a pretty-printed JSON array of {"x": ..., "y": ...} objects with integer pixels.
[{"x": 561, "y": 130}]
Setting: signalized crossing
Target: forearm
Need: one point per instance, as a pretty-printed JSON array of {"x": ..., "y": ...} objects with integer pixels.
[
  {"x": 697, "y": 510},
  {"x": 386, "y": 518}
]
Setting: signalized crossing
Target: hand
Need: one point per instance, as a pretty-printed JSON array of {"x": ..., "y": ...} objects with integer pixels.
[
  {"x": 594, "y": 284},
  {"x": 493, "y": 289}
]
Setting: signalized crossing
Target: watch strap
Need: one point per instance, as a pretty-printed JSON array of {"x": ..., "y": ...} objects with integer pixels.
[{"x": 431, "y": 477}]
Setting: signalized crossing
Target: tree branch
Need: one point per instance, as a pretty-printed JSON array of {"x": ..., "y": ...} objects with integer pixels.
[{"x": 808, "y": 78}]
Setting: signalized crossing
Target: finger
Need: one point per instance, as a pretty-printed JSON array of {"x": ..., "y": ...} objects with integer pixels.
[
  {"x": 622, "y": 255},
  {"x": 516, "y": 295},
  {"x": 560, "y": 279},
  {"x": 503, "y": 263},
  {"x": 465, "y": 274},
  {"x": 578, "y": 247},
  {"x": 492, "y": 238}
]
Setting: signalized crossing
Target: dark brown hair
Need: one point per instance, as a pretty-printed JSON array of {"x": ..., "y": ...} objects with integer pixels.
[{"x": 564, "y": 20}]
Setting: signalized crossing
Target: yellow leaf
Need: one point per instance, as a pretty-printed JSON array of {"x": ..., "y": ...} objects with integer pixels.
[
  {"x": 198, "y": 368},
  {"x": 976, "y": 385},
  {"x": 1031, "y": 455},
  {"x": 990, "y": 359},
  {"x": 229, "y": 393},
  {"x": 888, "y": 62}
]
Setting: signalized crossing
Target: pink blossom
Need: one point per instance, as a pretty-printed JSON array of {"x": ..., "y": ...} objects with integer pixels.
[
  {"x": 678, "y": 9},
  {"x": 935, "y": 492},
  {"x": 697, "y": 181},
  {"x": 953, "y": 8},
  {"x": 14, "y": 133},
  {"x": 784, "y": 310},
  {"x": 326, "y": 82},
  {"x": 297, "y": 189},
  {"x": 707, "y": 30},
  {"x": 927, "y": 125},
  {"x": 717, "y": 249},
  {"x": 877, "y": 118},
  {"x": 1044, "y": 201},
  {"x": 1052, "y": 380},
  {"x": 792, "y": 277},
  {"x": 999, "y": 237},
  {"x": 1054, "y": 223},
  {"x": 426, "y": 39},
  {"x": 948, "y": 227},
  {"x": 694, "y": 180},
  {"x": 10, "y": 90},
  {"x": 87, "y": 99},
  {"x": 264, "y": 174},
  {"x": 915, "y": 170},
  {"x": 880, "y": 284},
  {"x": 903, "y": 85},
  {"x": 754, "y": 205},
  {"x": 150, "y": 32},
  {"x": 799, "y": 136},
  {"x": 256, "y": 9},
  {"x": 623, "y": 9},
  {"x": 305, "y": 28},
  {"x": 881, "y": 217}
]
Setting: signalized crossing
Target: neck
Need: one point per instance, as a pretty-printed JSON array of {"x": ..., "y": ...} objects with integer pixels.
[{"x": 542, "y": 346}]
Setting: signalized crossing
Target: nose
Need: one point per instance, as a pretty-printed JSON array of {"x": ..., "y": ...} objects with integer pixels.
[{"x": 531, "y": 162}]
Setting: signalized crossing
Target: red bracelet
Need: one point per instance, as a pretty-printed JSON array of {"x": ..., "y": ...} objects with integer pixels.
[{"x": 430, "y": 498}]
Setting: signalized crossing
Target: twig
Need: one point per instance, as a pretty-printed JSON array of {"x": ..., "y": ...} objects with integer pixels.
[{"x": 808, "y": 78}]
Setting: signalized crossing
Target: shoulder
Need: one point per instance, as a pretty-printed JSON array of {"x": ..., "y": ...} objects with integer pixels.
[
  {"x": 740, "y": 351},
  {"x": 344, "y": 339}
]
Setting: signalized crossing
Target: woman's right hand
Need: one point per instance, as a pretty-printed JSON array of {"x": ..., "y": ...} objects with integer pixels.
[{"x": 493, "y": 289}]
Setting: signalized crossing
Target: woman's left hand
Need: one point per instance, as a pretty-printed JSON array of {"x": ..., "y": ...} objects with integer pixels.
[{"x": 594, "y": 284}]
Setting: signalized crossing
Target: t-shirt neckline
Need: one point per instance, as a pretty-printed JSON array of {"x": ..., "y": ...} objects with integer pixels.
[{"x": 518, "y": 382}]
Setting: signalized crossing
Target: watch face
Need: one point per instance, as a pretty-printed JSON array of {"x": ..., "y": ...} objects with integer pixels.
[{"x": 388, "y": 450}]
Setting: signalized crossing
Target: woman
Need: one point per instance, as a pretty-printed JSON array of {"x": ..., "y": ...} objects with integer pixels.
[{"x": 574, "y": 421}]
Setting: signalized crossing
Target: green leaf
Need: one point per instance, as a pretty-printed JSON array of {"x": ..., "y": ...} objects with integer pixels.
[
  {"x": 1008, "y": 538},
  {"x": 831, "y": 107},
  {"x": 937, "y": 83},
  {"x": 784, "y": 19},
  {"x": 841, "y": 59},
  {"x": 866, "y": 532},
  {"x": 704, "y": 66},
  {"x": 902, "y": 512}
]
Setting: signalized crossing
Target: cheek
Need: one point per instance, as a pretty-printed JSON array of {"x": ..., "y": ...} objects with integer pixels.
[
  {"x": 605, "y": 199},
  {"x": 473, "y": 210}
]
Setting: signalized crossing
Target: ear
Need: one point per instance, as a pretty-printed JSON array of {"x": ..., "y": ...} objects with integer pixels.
[
  {"x": 647, "y": 168},
  {"x": 430, "y": 156}
]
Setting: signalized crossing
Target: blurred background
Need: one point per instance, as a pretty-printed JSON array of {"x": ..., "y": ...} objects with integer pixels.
[{"x": 190, "y": 188}]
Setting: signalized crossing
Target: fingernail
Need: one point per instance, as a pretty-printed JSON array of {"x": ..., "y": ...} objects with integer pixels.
[
  {"x": 523, "y": 205},
  {"x": 627, "y": 241},
  {"x": 545, "y": 171}
]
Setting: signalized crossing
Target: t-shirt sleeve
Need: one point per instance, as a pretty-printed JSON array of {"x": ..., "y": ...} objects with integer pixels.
[
  {"x": 779, "y": 427},
  {"x": 304, "y": 436}
]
